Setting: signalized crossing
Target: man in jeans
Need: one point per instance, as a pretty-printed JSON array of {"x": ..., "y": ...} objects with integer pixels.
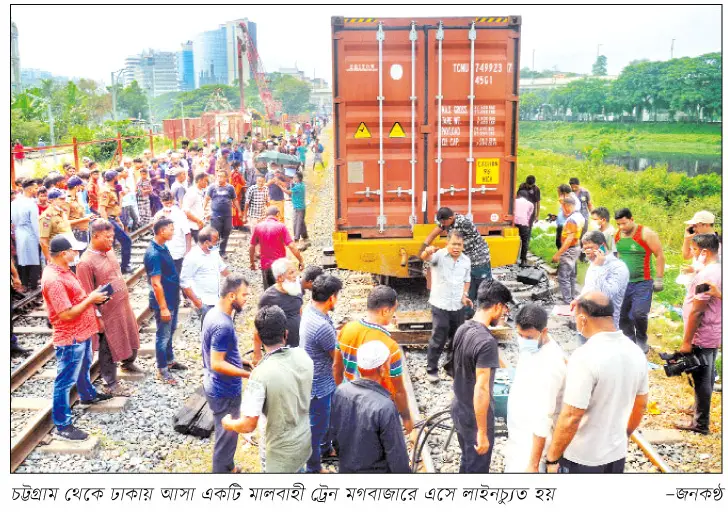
[
  {"x": 522, "y": 217},
  {"x": 192, "y": 204},
  {"x": 568, "y": 253},
  {"x": 110, "y": 209},
  {"x": 703, "y": 328},
  {"x": 222, "y": 197},
  {"x": 318, "y": 338},
  {"x": 72, "y": 314},
  {"x": 256, "y": 203},
  {"x": 448, "y": 296},
  {"x": 163, "y": 297},
  {"x": 202, "y": 270},
  {"x": 181, "y": 242},
  {"x": 223, "y": 369}
]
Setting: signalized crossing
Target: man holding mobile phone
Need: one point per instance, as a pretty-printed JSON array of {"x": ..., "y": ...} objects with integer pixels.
[{"x": 606, "y": 273}]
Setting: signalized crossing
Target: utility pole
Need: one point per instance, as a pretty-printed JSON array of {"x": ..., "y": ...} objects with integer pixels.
[
  {"x": 533, "y": 66},
  {"x": 599, "y": 45},
  {"x": 672, "y": 49},
  {"x": 53, "y": 132},
  {"x": 241, "y": 79},
  {"x": 114, "y": 84}
]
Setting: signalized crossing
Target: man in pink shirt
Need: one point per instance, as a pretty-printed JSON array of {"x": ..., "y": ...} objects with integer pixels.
[
  {"x": 522, "y": 211},
  {"x": 703, "y": 327},
  {"x": 273, "y": 238}
]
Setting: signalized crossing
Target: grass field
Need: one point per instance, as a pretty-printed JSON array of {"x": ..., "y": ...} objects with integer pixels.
[{"x": 659, "y": 137}]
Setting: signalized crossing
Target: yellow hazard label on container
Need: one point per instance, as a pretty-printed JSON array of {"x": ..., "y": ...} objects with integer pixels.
[
  {"x": 487, "y": 171},
  {"x": 360, "y": 20},
  {"x": 491, "y": 20},
  {"x": 362, "y": 132},
  {"x": 397, "y": 132}
]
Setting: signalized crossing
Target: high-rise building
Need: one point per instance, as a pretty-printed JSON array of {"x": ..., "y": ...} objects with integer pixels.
[
  {"x": 154, "y": 71},
  {"x": 186, "y": 67},
  {"x": 215, "y": 54},
  {"x": 15, "y": 83}
]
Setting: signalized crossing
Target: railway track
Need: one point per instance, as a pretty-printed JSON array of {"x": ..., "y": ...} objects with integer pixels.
[{"x": 41, "y": 423}]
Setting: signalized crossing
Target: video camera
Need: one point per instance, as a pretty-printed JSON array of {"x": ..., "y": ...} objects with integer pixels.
[{"x": 679, "y": 363}]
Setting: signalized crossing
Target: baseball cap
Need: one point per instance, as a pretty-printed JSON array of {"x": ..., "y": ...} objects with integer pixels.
[
  {"x": 110, "y": 175},
  {"x": 29, "y": 182},
  {"x": 74, "y": 182},
  {"x": 371, "y": 355},
  {"x": 702, "y": 217},
  {"x": 64, "y": 242},
  {"x": 55, "y": 193}
]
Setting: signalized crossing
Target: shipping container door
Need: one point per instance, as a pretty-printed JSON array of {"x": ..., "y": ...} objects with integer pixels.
[
  {"x": 379, "y": 191},
  {"x": 472, "y": 82}
]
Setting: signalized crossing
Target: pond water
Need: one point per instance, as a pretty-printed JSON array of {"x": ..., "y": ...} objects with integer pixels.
[{"x": 691, "y": 164}]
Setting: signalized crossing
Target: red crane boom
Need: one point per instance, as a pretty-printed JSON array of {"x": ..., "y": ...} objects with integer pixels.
[{"x": 272, "y": 107}]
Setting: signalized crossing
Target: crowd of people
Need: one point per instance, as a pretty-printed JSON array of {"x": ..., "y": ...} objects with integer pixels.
[{"x": 315, "y": 390}]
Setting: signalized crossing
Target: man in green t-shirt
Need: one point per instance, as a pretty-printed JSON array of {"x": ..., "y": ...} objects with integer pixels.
[{"x": 280, "y": 389}]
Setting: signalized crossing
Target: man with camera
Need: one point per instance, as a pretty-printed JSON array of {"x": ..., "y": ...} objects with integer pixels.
[{"x": 703, "y": 327}]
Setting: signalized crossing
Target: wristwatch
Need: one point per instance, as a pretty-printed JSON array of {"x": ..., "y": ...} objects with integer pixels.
[{"x": 551, "y": 462}]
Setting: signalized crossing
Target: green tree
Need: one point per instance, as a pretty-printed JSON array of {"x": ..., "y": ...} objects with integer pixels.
[
  {"x": 600, "y": 66},
  {"x": 133, "y": 101},
  {"x": 529, "y": 105}
]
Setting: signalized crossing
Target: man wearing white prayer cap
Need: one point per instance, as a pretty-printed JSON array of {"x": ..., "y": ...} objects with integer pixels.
[{"x": 364, "y": 419}]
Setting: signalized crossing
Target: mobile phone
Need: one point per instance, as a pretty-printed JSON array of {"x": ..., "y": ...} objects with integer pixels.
[
  {"x": 691, "y": 230},
  {"x": 108, "y": 290},
  {"x": 702, "y": 288}
]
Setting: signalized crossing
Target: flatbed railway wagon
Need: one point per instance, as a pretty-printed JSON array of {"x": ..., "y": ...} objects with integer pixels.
[{"x": 425, "y": 115}]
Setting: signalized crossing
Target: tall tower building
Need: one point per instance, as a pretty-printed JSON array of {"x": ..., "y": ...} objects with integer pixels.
[
  {"x": 216, "y": 54},
  {"x": 154, "y": 71},
  {"x": 186, "y": 67},
  {"x": 15, "y": 84}
]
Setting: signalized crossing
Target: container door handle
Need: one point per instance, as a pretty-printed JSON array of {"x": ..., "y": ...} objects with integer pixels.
[
  {"x": 413, "y": 99},
  {"x": 451, "y": 190},
  {"x": 399, "y": 192},
  {"x": 368, "y": 192},
  {"x": 381, "y": 219},
  {"x": 471, "y": 97},
  {"x": 440, "y": 35}
]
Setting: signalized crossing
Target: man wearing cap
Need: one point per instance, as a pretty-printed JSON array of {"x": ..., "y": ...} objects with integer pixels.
[
  {"x": 54, "y": 220},
  {"x": 77, "y": 217},
  {"x": 119, "y": 338},
  {"x": 110, "y": 209},
  {"x": 24, "y": 217},
  {"x": 364, "y": 420},
  {"x": 702, "y": 223},
  {"x": 72, "y": 314}
]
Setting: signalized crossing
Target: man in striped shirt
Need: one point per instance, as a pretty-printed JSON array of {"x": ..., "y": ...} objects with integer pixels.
[
  {"x": 381, "y": 305},
  {"x": 256, "y": 202},
  {"x": 318, "y": 338}
]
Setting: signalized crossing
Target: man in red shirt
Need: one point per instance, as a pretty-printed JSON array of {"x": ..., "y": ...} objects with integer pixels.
[
  {"x": 273, "y": 238},
  {"x": 72, "y": 314}
]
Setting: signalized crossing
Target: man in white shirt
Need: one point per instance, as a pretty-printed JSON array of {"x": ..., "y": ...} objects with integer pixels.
[
  {"x": 193, "y": 204},
  {"x": 202, "y": 271},
  {"x": 605, "y": 395},
  {"x": 534, "y": 400},
  {"x": 448, "y": 297},
  {"x": 127, "y": 181},
  {"x": 181, "y": 242}
]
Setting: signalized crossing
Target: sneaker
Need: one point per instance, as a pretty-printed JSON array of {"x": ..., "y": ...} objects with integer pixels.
[
  {"x": 132, "y": 368},
  {"x": 70, "y": 433},
  {"x": 117, "y": 389},
  {"x": 433, "y": 378},
  {"x": 166, "y": 378},
  {"x": 100, "y": 397},
  {"x": 177, "y": 366},
  {"x": 127, "y": 270}
]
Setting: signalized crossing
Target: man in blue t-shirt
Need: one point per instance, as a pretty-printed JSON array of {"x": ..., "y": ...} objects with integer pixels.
[
  {"x": 298, "y": 200},
  {"x": 222, "y": 195},
  {"x": 223, "y": 368}
]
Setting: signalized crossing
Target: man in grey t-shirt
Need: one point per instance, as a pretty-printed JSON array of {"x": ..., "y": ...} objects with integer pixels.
[{"x": 605, "y": 395}]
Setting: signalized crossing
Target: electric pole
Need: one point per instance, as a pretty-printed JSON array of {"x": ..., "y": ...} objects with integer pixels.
[
  {"x": 598, "y": 46},
  {"x": 533, "y": 66},
  {"x": 672, "y": 49}
]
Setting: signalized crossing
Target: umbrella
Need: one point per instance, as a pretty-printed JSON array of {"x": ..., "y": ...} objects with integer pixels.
[{"x": 277, "y": 158}]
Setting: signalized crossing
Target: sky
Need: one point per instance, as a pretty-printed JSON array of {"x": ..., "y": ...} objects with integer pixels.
[{"x": 93, "y": 41}]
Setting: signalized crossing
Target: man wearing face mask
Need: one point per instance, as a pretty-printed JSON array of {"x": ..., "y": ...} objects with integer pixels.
[
  {"x": 606, "y": 273},
  {"x": 286, "y": 293},
  {"x": 223, "y": 367},
  {"x": 534, "y": 400},
  {"x": 605, "y": 395},
  {"x": 475, "y": 361},
  {"x": 73, "y": 317},
  {"x": 202, "y": 270}
]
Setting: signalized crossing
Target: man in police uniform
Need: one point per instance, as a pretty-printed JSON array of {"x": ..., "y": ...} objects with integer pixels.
[
  {"x": 110, "y": 209},
  {"x": 54, "y": 220}
]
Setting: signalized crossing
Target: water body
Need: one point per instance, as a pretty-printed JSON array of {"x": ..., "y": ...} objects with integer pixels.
[{"x": 691, "y": 164}]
